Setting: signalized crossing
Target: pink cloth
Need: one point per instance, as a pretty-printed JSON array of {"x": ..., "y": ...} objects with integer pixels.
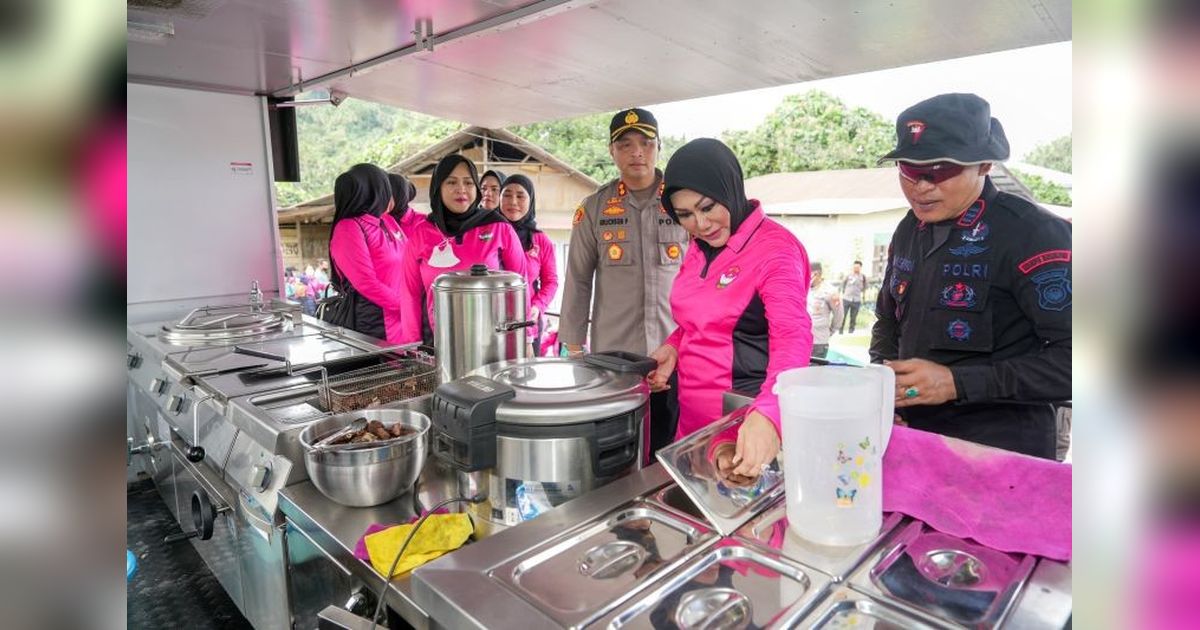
[
  {"x": 430, "y": 254},
  {"x": 410, "y": 221},
  {"x": 762, "y": 263},
  {"x": 541, "y": 266},
  {"x": 1004, "y": 500},
  {"x": 372, "y": 264}
]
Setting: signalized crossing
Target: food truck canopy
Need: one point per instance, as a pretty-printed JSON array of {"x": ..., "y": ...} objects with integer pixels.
[{"x": 496, "y": 63}]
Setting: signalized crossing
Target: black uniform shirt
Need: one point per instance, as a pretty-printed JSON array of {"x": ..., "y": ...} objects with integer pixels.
[{"x": 989, "y": 296}]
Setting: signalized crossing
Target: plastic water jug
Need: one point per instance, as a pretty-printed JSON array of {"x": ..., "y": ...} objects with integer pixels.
[{"x": 836, "y": 424}]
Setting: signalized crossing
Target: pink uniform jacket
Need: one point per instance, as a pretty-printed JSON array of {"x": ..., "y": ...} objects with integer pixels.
[
  {"x": 431, "y": 253},
  {"x": 540, "y": 266},
  {"x": 373, "y": 265},
  {"x": 410, "y": 221},
  {"x": 741, "y": 321}
]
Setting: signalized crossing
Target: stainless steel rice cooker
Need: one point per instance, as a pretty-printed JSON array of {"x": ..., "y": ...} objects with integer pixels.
[
  {"x": 479, "y": 318},
  {"x": 535, "y": 433}
]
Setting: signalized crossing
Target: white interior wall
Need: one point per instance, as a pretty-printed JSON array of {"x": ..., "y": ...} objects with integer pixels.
[{"x": 201, "y": 213}]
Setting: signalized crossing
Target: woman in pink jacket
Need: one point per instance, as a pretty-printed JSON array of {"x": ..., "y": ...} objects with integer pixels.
[
  {"x": 403, "y": 192},
  {"x": 739, "y": 303},
  {"x": 541, "y": 270},
  {"x": 366, "y": 247},
  {"x": 456, "y": 234}
]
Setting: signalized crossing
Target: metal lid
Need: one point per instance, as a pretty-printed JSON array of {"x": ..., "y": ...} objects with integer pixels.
[
  {"x": 555, "y": 391},
  {"x": 478, "y": 278},
  {"x": 727, "y": 504}
]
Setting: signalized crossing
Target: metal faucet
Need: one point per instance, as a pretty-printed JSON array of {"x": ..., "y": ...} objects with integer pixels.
[{"x": 256, "y": 297}]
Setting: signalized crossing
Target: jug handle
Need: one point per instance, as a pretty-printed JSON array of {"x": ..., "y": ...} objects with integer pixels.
[{"x": 887, "y": 380}]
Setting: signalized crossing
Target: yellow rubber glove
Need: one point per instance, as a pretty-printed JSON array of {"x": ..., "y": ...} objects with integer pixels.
[{"x": 440, "y": 534}]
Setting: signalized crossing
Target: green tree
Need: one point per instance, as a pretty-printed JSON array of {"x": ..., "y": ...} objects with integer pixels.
[
  {"x": 1043, "y": 190},
  {"x": 582, "y": 143},
  {"x": 333, "y": 139},
  {"x": 1055, "y": 154},
  {"x": 810, "y": 132}
]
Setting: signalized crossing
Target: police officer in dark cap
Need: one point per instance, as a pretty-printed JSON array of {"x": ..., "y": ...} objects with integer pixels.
[{"x": 974, "y": 314}]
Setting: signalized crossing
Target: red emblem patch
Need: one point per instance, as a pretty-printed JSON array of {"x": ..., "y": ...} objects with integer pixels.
[
  {"x": 1044, "y": 258},
  {"x": 915, "y": 128}
]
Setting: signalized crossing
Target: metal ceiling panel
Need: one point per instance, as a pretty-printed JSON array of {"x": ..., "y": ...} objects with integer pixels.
[{"x": 503, "y": 62}]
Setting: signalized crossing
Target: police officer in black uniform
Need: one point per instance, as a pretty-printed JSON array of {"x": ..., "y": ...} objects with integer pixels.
[{"x": 974, "y": 314}]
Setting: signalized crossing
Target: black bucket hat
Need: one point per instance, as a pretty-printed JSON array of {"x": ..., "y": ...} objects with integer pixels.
[{"x": 955, "y": 128}]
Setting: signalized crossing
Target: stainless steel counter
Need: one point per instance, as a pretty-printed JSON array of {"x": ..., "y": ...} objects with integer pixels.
[{"x": 335, "y": 529}]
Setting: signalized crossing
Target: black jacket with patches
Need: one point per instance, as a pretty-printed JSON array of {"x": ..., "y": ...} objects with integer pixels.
[{"x": 989, "y": 296}]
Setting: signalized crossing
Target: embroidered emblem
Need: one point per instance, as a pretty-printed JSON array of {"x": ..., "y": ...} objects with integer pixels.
[
  {"x": 958, "y": 295},
  {"x": 620, "y": 190},
  {"x": 443, "y": 256},
  {"x": 578, "y": 216},
  {"x": 972, "y": 215},
  {"x": 607, "y": 235},
  {"x": 1044, "y": 258},
  {"x": 903, "y": 264},
  {"x": 915, "y": 129},
  {"x": 614, "y": 211},
  {"x": 613, "y": 201},
  {"x": 728, "y": 277},
  {"x": 898, "y": 287},
  {"x": 615, "y": 252},
  {"x": 974, "y": 271},
  {"x": 968, "y": 249},
  {"x": 673, "y": 251},
  {"x": 662, "y": 209},
  {"x": 486, "y": 236},
  {"x": 959, "y": 330},
  {"x": 620, "y": 235},
  {"x": 631, "y": 117},
  {"x": 1053, "y": 288},
  {"x": 614, "y": 221},
  {"x": 977, "y": 233}
]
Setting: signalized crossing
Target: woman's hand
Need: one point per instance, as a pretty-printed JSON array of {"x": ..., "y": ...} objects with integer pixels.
[
  {"x": 667, "y": 356},
  {"x": 757, "y": 445}
]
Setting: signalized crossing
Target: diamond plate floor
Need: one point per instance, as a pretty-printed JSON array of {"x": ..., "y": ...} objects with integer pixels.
[{"x": 172, "y": 588}]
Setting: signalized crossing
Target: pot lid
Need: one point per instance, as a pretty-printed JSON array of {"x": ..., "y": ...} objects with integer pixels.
[
  {"x": 478, "y": 278},
  {"x": 727, "y": 503},
  {"x": 555, "y": 391}
]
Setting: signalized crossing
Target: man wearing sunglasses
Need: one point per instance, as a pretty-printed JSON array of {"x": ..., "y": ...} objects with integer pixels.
[{"x": 974, "y": 314}]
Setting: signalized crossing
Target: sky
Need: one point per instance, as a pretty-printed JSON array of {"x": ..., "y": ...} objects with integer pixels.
[{"x": 1029, "y": 90}]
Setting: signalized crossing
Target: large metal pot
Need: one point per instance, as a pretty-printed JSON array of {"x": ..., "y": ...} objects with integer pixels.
[
  {"x": 362, "y": 477},
  {"x": 479, "y": 318}
]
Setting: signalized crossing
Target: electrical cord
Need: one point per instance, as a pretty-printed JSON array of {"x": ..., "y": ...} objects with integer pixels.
[{"x": 387, "y": 578}]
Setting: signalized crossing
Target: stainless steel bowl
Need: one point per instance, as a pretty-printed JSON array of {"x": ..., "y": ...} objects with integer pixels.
[{"x": 362, "y": 477}]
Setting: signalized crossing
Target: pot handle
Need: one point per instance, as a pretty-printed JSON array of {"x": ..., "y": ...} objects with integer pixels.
[
  {"x": 621, "y": 361},
  {"x": 508, "y": 327}
]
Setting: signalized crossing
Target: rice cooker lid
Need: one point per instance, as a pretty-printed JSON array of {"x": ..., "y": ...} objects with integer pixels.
[
  {"x": 557, "y": 391},
  {"x": 478, "y": 278}
]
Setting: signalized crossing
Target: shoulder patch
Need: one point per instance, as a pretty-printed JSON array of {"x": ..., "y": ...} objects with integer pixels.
[
  {"x": 578, "y": 216},
  {"x": 1053, "y": 289},
  {"x": 1044, "y": 258}
]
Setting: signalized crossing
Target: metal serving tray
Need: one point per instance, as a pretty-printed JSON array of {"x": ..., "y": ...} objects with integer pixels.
[
  {"x": 847, "y": 608},
  {"x": 954, "y": 580},
  {"x": 576, "y": 577},
  {"x": 730, "y": 586},
  {"x": 770, "y": 529}
]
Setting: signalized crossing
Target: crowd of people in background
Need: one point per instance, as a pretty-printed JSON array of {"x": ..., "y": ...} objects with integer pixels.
[{"x": 308, "y": 285}]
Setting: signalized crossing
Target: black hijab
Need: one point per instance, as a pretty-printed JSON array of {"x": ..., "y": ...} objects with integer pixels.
[
  {"x": 710, "y": 168},
  {"x": 364, "y": 189},
  {"x": 499, "y": 177},
  {"x": 450, "y": 224},
  {"x": 526, "y": 225},
  {"x": 403, "y": 193}
]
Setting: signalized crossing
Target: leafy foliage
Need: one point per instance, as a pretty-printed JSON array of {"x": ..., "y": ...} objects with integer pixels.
[
  {"x": 1055, "y": 154},
  {"x": 810, "y": 132},
  {"x": 1043, "y": 190},
  {"x": 582, "y": 143},
  {"x": 333, "y": 139}
]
